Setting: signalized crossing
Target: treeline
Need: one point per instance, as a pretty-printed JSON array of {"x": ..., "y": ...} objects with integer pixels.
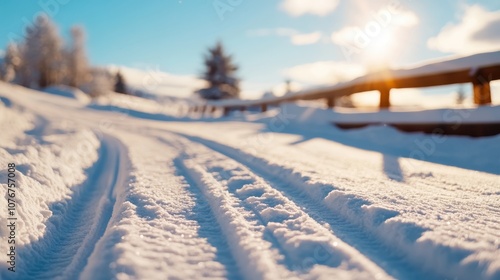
[{"x": 43, "y": 59}]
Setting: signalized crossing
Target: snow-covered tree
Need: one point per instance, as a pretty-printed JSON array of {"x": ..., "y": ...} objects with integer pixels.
[
  {"x": 77, "y": 64},
  {"x": 42, "y": 54},
  {"x": 120, "y": 84},
  {"x": 100, "y": 82},
  {"x": 11, "y": 63},
  {"x": 220, "y": 75}
]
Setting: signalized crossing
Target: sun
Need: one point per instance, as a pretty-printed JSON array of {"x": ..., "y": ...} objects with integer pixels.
[{"x": 381, "y": 49}]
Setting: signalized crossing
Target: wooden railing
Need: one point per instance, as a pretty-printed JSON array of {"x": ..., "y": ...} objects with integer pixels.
[{"x": 478, "y": 69}]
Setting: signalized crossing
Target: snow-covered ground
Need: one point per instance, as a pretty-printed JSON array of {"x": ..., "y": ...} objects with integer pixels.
[{"x": 124, "y": 188}]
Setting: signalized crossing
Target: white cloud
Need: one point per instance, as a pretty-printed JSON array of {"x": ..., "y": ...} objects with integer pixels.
[
  {"x": 324, "y": 72},
  {"x": 315, "y": 7},
  {"x": 477, "y": 31},
  {"x": 384, "y": 22},
  {"x": 405, "y": 19},
  {"x": 346, "y": 36},
  {"x": 280, "y": 31},
  {"x": 295, "y": 36},
  {"x": 306, "y": 39},
  {"x": 377, "y": 40}
]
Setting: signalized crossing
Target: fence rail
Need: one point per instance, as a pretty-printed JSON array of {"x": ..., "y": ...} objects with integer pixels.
[{"x": 479, "y": 69}]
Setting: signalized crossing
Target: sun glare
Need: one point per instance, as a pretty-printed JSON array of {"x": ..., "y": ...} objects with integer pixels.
[{"x": 381, "y": 49}]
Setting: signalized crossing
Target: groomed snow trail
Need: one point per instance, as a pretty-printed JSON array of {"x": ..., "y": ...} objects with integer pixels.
[
  {"x": 81, "y": 221},
  {"x": 162, "y": 222},
  {"x": 406, "y": 248},
  {"x": 111, "y": 195},
  {"x": 281, "y": 239},
  {"x": 312, "y": 204}
]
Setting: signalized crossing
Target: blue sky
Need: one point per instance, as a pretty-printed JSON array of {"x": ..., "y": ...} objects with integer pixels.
[{"x": 270, "y": 40}]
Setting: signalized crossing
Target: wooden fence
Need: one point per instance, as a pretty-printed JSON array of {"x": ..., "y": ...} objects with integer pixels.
[{"x": 478, "y": 69}]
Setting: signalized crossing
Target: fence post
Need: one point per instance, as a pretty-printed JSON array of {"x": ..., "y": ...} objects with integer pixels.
[
  {"x": 330, "y": 102},
  {"x": 385, "y": 98}
]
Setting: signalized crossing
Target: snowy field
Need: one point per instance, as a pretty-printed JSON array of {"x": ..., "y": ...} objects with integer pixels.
[{"x": 125, "y": 188}]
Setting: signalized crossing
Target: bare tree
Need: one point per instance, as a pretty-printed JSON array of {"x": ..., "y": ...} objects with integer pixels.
[
  {"x": 100, "y": 82},
  {"x": 460, "y": 96},
  {"x": 11, "y": 63},
  {"x": 42, "y": 54},
  {"x": 77, "y": 63}
]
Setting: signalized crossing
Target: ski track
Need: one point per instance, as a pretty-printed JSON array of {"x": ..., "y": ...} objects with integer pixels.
[
  {"x": 262, "y": 225},
  {"x": 172, "y": 223},
  {"x": 300, "y": 241},
  {"x": 394, "y": 263},
  {"x": 242, "y": 230},
  {"x": 204, "y": 216},
  {"x": 79, "y": 222}
]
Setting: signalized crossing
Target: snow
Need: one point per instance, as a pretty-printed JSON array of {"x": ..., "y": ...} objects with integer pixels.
[
  {"x": 44, "y": 157},
  {"x": 305, "y": 112},
  {"x": 69, "y": 92},
  {"x": 126, "y": 188},
  {"x": 453, "y": 63},
  {"x": 483, "y": 114},
  {"x": 153, "y": 82}
]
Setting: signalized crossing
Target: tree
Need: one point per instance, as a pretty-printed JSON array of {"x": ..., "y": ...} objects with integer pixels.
[
  {"x": 42, "y": 54},
  {"x": 77, "y": 64},
  {"x": 268, "y": 94},
  {"x": 100, "y": 82},
  {"x": 460, "y": 96},
  {"x": 120, "y": 84},
  {"x": 345, "y": 101},
  {"x": 288, "y": 86},
  {"x": 220, "y": 75},
  {"x": 11, "y": 63}
]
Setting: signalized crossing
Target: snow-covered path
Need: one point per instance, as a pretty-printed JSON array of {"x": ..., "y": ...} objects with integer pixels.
[
  {"x": 106, "y": 195},
  {"x": 81, "y": 222}
]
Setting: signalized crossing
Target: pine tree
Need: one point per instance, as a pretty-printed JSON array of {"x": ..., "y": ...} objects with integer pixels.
[
  {"x": 77, "y": 64},
  {"x": 42, "y": 54},
  {"x": 220, "y": 75},
  {"x": 11, "y": 63},
  {"x": 120, "y": 84}
]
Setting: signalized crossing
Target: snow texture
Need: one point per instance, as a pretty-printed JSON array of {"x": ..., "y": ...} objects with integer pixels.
[{"x": 121, "y": 188}]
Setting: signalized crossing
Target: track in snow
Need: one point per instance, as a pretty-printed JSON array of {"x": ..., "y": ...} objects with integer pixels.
[
  {"x": 390, "y": 261},
  {"x": 278, "y": 234},
  {"x": 207, "y": 221},
  {"x": 227, "y": 211},
  {"x": 78, "y": 223}
]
